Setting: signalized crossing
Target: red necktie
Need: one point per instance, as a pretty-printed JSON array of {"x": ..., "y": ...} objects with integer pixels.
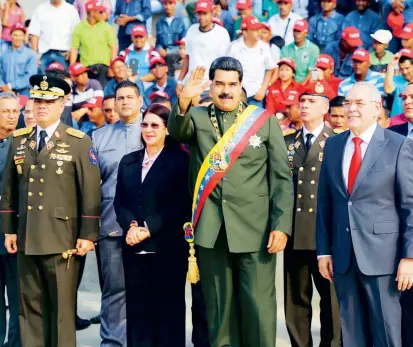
[{"x": 354, "y": 164}]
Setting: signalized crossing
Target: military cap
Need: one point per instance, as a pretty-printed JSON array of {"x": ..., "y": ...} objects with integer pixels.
[
  {"x": 319, "y": 88},
  {"x": 46, "y": 87}
]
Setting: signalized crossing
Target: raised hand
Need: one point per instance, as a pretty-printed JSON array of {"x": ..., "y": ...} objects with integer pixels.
[{"x": 193, "y": 88}]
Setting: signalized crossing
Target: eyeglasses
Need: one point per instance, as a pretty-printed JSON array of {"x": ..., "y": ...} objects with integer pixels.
[
  {"x": 145, "y": 125},
  {"x": 357, "y": 103},
  {"x": 6, "y": 112}
]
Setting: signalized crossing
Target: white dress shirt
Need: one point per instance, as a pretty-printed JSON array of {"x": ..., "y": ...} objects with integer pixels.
[
  {"x": 54, "y": 26},
  {"x": 348, "y": 154},
  {"x": 409, "y": 130},
  {"x": 49, "y": 130},
  {"x": 317, "y": 131}
]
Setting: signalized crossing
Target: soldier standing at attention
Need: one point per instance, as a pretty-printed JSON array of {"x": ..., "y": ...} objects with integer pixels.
[
  {"x": 9, "y": 116},
  {"x": 245, "y": 192},
  {"x": 305, "y": 154},
  {"x": 50, "y": 204}
]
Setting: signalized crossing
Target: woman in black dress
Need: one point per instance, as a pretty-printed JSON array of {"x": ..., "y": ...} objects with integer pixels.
[{"x": 152, "y": 203}]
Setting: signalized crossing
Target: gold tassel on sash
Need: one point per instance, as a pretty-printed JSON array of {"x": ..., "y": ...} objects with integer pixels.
[{"x": 193, "y": 270}]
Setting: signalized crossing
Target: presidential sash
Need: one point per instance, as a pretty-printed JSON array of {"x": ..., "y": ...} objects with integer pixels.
[{"x": 215, "y": 166}]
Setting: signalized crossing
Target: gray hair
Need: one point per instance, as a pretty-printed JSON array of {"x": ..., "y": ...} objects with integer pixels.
[
  {"x": 372, "y": 91},
  {"x": 8, "y": 95}
]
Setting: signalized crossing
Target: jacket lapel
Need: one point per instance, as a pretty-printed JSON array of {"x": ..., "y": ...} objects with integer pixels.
[
  {"x": 340, "y": 157},
  {"x": 299, "y": 145},
  {"x": 373, "y": 152}
]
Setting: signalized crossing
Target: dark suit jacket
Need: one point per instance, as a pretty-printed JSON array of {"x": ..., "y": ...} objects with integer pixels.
[
  {"x": 401, "y": 129},
  {"x": 376, "y": 220},
  {"x": 162, "y": 200}
]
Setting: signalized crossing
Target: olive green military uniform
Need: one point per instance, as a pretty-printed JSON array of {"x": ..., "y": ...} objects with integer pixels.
[
  {"x": 300, "y": 258},
  {"x": 254, "y": 198},
  {"x": 50, "y": 199}
]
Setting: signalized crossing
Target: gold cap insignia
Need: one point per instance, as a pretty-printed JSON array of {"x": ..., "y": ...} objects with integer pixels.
[{"x": 44, "y": 85}]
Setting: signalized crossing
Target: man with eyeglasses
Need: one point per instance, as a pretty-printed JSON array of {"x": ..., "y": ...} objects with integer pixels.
[
  {"x": 9, "y": 116},
  {"x": 111, "y": 143},
  {"x": 364, "y": 222},
  {"x": 49, "y": 210},
  {"x": 406, "y": 129},
  {"x": 96, "y": 42}
]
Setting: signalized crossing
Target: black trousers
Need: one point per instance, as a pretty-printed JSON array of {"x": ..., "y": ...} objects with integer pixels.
[
  {"x": 407, "y": 315},
  {"x": 155, "y": 298},
  {"x": 300, "y": 268},
  {"x": 9, "y": 283},
  {"x": 99, "y": 72}
]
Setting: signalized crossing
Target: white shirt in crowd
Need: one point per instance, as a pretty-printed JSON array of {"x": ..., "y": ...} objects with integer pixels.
[
  {"x": 54, "y": 26},
  {"x": 203, "y": 48},
  {"x": 283, "y": 27},
  {"x": 300, "y": 7},
  {"x": 255, "y": 62}
]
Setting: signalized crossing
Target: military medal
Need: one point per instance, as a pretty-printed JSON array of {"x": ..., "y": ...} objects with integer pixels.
[
  {"x": 32, "y": 145},
  {"x": 320, "y": 156},
  {"x": 322, "y": 144},
  {"x": 49, "y": 145},
  {"x": 291, "y": 147},
  {"x": 297, "y": 144},
  {"x": 57, "y": 134},
  {"x": 63, "y": 145},
  {"x": 61, "y": 151},
  {"x": 21, "y": 148},
  {"x": 23, "y": 141},
  {"x": 255, "y": 141},
  {"x": 59, "y": 163},
  {"x": 19, "y": 170},
  {"x": 54, "y": 156},
  {"x": 20, "y": 152}
]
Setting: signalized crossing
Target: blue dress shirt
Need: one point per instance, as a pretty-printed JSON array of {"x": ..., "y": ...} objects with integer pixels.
[
  {"x": 342, "y": 68},
  {"x": 325, "y": 30}
]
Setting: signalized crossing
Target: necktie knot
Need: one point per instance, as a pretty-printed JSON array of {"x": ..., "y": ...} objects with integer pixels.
[
  {"x": 308, "y": 143},
  {"x": 43, "y": 134},
  {"x": 357, "y": 141}
]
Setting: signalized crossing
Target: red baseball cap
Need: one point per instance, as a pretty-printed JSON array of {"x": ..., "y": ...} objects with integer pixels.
[
  {"x": 325, "y": 61},
  {"x": 243, "y": 4},
  {"x": 319, "y": 88},
  {"x": 218, "y": 21},
  {"x": 94, "y": 5},
  {"x": 76, "y": 69},
  {"x": 407, "y": 32},
  {"x": 287, "y": 61},
  {"x": 156, "y": 60},
  {"x": 23, "y": 100},
  {"x": 286, "y": 1},
  {"x": 406, "y": 52},
  {"x": 139, "y": 31},
  {"x": 115, "y": 59},
  {"x": 361, "y": 54},
  {"x": 352, "y": 36},
  {"x": 204, "y": 6},
  {"x": 395, "y": 22},
  {"x": 18, "y": 26},
  {"x": 301, "y": 25},
  {"x": 291, "y": 99},
  {"x": 251, "y": 23},
  {"x": 55, "y": 66},
  {"x": 158, "y": 93},
  {"x": 94, "y": 102}
]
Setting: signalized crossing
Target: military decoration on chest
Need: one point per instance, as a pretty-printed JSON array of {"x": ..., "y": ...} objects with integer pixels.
[
  {"x": 20, "y": 153},
  {"x": 291, "y": 151}
]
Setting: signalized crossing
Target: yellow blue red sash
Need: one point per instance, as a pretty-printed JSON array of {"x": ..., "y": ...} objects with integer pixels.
[{"x": 234, "y": 142}]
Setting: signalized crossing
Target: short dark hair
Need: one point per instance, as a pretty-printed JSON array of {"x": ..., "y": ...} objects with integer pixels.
[
  {"x": 108, "y": 97},
  {"x": 403, "y": 59},
  {"x": 336, "y": 102},
  {"x": 58, "y": 73},
  {"x": 226, "y": 64},
  {"x": 160, "y": 100},
  {"x": 127, "y": 84}
]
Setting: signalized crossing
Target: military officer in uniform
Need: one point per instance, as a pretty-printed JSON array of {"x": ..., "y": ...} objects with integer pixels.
[
  {"x": 9, "y": 116},
  {"x": 50, "y": 204},
  {"x": 246, "y": 218},
  {"x": 305, "y": 154}
]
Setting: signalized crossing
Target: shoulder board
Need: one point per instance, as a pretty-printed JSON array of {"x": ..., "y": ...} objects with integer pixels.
[
  {"x": 75, "y": 133},
  {"x": 337, "y": 131},
  {"x": 289, "y": 132},
  {"x": 21, "y": 132}
]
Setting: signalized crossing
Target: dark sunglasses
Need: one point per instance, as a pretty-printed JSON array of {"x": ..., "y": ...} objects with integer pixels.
[{"x": 145, "y": 125}]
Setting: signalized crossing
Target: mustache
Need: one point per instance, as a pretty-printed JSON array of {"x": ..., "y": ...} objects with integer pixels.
[{"x": 225, "y": 96}]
